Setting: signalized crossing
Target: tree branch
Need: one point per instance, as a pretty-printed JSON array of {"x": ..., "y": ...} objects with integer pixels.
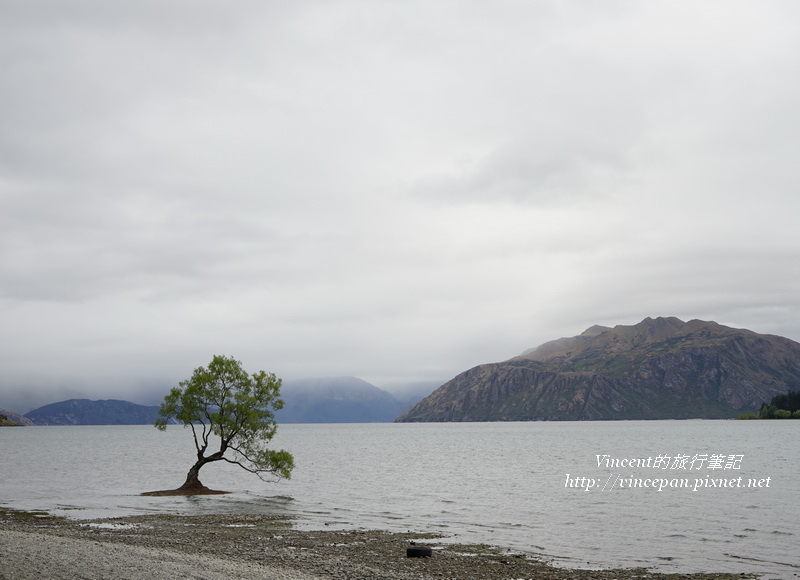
[
  {"x": 261, "y": 473},
  {"x": 196, "y": 442}
]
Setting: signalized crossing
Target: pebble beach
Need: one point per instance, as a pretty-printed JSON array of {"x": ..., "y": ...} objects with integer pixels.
[{"x": 211, "y": 547}]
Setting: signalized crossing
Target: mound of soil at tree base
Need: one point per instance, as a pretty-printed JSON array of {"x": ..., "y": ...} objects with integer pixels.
[{"x": 186, "y": 490}]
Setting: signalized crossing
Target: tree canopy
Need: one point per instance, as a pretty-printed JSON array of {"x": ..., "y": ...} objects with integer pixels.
[
  {"x": 231, "y": 415},
  {"x": 782, "y": 407}
]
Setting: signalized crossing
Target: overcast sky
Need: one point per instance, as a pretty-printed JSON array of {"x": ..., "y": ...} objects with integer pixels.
[{"x": 397, "y": 191}]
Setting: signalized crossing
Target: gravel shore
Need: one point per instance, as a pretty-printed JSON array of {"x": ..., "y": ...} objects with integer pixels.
[{"x": 36, "y": 545}]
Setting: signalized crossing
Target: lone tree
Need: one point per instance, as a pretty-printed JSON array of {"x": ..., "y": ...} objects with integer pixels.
[{"x": 238, "y": 410}]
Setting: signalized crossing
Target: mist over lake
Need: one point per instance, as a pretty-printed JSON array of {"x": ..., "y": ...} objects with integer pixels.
[{"x": 509, "y": 484}]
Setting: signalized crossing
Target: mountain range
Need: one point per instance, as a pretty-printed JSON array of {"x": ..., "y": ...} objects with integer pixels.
[
  {"x": 336, "y": 400},
  {"x": 662, "y": 368},
  {"x": 323, "y": 400},
  {"x": 86, "y": 412}
]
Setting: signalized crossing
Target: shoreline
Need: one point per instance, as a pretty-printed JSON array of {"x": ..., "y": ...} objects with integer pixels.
[{"x": 37, "y": 545}]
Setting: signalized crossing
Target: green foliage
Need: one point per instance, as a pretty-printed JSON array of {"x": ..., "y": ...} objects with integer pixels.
[
  {"x": 747, "y": 416},
  {"x": 790, "y": 401},
  {"x": 237, "y": 409},
  {"x": 766, "y": 412},
  {"x": 782, "y": 407}
]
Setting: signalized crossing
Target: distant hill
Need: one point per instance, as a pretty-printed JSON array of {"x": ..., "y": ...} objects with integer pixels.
[
  {"x": 86, "y": 412},
  {"x": 8, "y": 418},
  {"x": 23, "y": 397},
  {"x": 328, "y": 400},
  {"x": 660, "y": 368},
  {"x": 336, "y": 400},
  {"x": 409, "y": 394}
]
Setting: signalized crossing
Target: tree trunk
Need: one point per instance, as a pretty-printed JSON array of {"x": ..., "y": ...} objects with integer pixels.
[
  {"x": 192, "y": 485},
  {"x": 193, "y": 478}
]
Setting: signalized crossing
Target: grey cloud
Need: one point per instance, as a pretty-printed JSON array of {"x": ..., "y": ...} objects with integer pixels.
[{"x": 393, "y": 191}]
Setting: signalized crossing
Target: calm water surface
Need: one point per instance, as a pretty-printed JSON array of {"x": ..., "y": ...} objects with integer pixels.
[{"x": 498, "y": 483}]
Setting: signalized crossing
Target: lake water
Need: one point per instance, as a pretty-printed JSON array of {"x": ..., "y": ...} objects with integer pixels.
[{"x": 520, "y": 485}]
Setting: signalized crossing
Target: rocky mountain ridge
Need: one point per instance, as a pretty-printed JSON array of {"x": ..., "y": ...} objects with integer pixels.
[{"x": 662, "y": 368}]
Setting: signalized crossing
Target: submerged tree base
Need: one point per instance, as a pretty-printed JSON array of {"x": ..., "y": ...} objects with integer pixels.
[{"x": 199, "y": 489}]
